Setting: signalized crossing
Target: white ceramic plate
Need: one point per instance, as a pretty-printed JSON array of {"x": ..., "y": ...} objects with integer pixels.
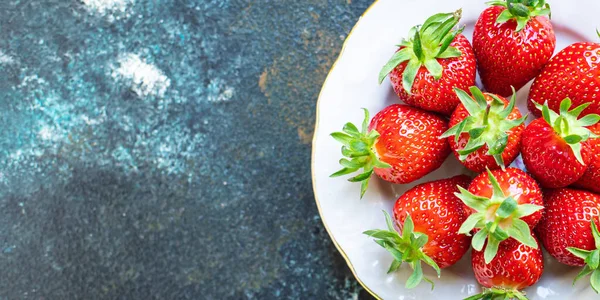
[{"x": 351, "y": 85}]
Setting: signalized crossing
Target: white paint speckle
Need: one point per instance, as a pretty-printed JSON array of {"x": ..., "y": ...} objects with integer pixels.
[
  {"x": 6, "y": 59},
  {"x": 47, "y": 133},
  {"x": 113, "y": 9},
  {"x": 219, "y": 91},
  {"x": 145, "y": 79}
]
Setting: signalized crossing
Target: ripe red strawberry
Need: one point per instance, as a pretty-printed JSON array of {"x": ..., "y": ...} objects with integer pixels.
[
  {"x": 591, "y": 178},
  {"x": 485, "y": 130},
  {"x": 569, "y": 230},
  {"x": 501, "y": 204},
  {"x": 435, "y": 59},
  {"x": 575, "y": 73},
  {"x": 566, "y": 223},
  {"x": 428, "y": 216},
  {"x": 516, "y": 267},
  {"x": 512, "y": 40},
  {"x": 401, "y": 145},
  {"x": 555, "y": 148}
]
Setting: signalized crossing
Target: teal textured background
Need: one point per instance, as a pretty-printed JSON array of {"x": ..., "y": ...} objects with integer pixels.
[{"x": 161, "y": 149}]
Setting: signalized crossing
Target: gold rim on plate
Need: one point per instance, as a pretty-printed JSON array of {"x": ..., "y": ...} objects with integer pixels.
[{"x": 313, "y": 158}]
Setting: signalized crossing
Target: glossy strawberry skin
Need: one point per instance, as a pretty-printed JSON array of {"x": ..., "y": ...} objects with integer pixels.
[
  {"x": 575, "y": 73},
  {"x": 438, "y": 213},
  {"x": 549, "y": 158},
  {"x": 438, "y": 95},
  {"x": 409, "y": 141},
  {"x": 591, "y": 178},
  {"x": 513, "y": 182},
  {"x": 516, "y": 266},
  {"x": 508, "y": 58},
  {"x": 479, "y": 160},
  {"x": 566, "y": 223}
]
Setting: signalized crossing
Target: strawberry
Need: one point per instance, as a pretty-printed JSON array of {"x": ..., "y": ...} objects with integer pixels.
[
  {"x": 516, "y": 267},
  {"x": 501, "y": 204},
  {"x": 485, "y": 130},
  {"x": 574, "y": 72},
  {"x": 566, "y": 233},
  {"x": 428, "y": 217},
  {"x": 566, "y": 223},
  {"x": 512, "y": 40},
  {"x": 435, "y": 59},
  {"x": 591, "y": 178},
  {"x": 555, "y": 148},
  {"x": 401, "y": 145}
]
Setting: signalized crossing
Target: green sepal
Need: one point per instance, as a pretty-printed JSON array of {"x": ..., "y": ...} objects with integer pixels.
[
  {"x": 405, "y": 247},
  {"x": 359, "y": 150},
  {"x": 498, "y": 294},
  {"x": 504, "y": 207},
  {"x": 426, "y": 44},
  {"x": 487, "y": 124},
  {"x": 521, "y": 11},
  {"x": 567, "y": 124},
  {"x": 591, "y": 259}
]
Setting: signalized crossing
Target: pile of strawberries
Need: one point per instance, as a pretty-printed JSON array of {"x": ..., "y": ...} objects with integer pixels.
[{"x": 503, "y": 211}]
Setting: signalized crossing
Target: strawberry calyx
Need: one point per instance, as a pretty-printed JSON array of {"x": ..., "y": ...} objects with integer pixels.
[
  {"x": 497, "y": 218},
  {"x": 591, "y": 259},
  {"x": 487, "y": 124},
  {"x": 498, "y": 294},
  {"x": 426, "y": 44},
  {"x": 568, "y": 126},
  {"x": 405, "y": 248},
  {"x": 521, "y": 11},
  {"x": 358, "y": 146}
]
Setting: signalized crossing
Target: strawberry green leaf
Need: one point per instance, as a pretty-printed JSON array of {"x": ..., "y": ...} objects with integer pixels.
[
  {"x": 343, "y": 171},
  {"x": 577, "y": 152},
  {"x": 508, "y": 206},
  {"x": 593, "y": 260},
  {"x": 394, "y": 266},
  {"x": 573, "y": 139},
  {"x": 520, "y": 231},
  {"x": 470, "y": 223},
  {"x": 526, "y": 210},
  {"x": 398, "y": 58},
  {"x": 589, "y": 120},
  {"x": 434, "y": 68},
  {"x": 499, "y": 146},
  {"x": 495, "y": 185},
  {"x": 471, "y": 105},
  {"x": 479, "y": 239},
  {"x": 416, "y": 277},
  {"x": 595, "y": 281},
  {"x": 395, "y": 253},
  {"x": 433, "y": 264},
  {"x": 565, "y": 105},
  {"x": 454, "y": 131},
  {"x": 584, "y": 272},
  {"x": 410, "y": 73},
  {"x": 451, "y": 52},
  {"x": 596, "y": 234},
  {"x": 490, "y": 250},
  {"x": 388, "y": 222},
  {"x": 583, "y": 254},
  {"x": 419, "y": 239},
  {"x": 504, "y": 17},
  {"x": 477, "y": 203},
  {"x": 408, "y": 227}
]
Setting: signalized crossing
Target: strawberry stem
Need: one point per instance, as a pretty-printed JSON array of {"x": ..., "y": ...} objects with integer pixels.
[
  {"x": 501, "y": 207},
  {"x": 521, "y": 11},
  {"x": 498, "y": 294},
  {"x": 426, "y": 44},
  {"x": 359, "y": 147},
  {"x": 487, "y": 124},
  {"x": 591, "y": 259},
  {"x": 567, "y": 124},
  {"x": 405, "y": 248}
]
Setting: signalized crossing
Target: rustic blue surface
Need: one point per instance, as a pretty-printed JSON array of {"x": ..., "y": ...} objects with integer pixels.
[{"x": 161, "y": 149}]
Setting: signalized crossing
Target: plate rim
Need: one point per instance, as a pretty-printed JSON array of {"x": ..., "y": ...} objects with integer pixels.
[{"x": 313, "y": 154}]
